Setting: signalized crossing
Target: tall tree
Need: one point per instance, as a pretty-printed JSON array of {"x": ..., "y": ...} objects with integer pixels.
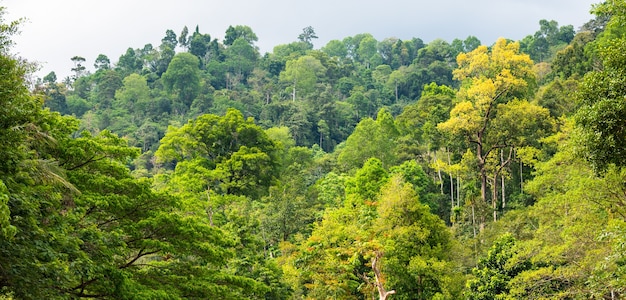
[
  {"x": 183, "y": 78},
  {"x": 79, "y": 68},
  {"x": 240, "y": 31},
  {"x": 307, "y": 36},
  {"x": 601, "y": 95},
  {"x": 370, "y": 139},
  {"x": 170, "y": 39},
  {"x": 102, "y": 62},
  {"x": 491, "y": 80},
  {"x": 302, "y": 73},
  {"x": 183, "y": 38},
  {"x": 223, "y": 155}
]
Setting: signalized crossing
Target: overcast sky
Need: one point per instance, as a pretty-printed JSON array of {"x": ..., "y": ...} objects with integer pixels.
[{"x": 58, "y": 30}]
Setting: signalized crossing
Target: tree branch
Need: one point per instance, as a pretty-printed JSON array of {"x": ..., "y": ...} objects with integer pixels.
[
  {"x": 139, "y": 255},
  {"x": 90, "y": 160},
  {"x": 382, "y": 293}
]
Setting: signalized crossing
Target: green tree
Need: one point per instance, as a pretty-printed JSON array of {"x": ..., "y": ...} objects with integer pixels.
[
  {"x": 199, "y": 45},
  {"x": 102, "y": 62},
  {"x": 307, "y": 36},
  {"x": 129, "y": 63},
  {"x": 495, "y": 271},
  {"x": 183, "y": 38},
  {"x": 241, "y": 58},
  {"x": 370, "y": 139},
  {"x": 602, "y": 113},
  {"x": 224, "y": 155},
  {"x": 416, "y": 243},
  {"x": 240, "y": 31},
  {"x": 303, "y": 73},
  {"x": 183, "y": 78},
  {"x": 367, "y": 51},
  {"x": 170, "y": 39},
  {"x": 134, "y": 97}
]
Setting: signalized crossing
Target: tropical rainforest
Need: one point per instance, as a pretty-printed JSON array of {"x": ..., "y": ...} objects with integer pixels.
[{"x": 366, "y": 169}]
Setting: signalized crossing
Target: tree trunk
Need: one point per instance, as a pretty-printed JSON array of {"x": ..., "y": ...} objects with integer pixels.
[
  {"x": 321, "y": 139},
  {"x": 396, "y": 92},
  {"x": 521, "y": 176},
  {"x": 458, "y": 190},
  {"x": 439, "y": 174},
  {"x": 451, "y": 183},
  {"x": 209, "y": 208},
  {"x": 494, "y": 196},
  {"x": 382, "y": 293},
  {"x": 473, "y": 219},
  {"x": 483, "y": 171},
  {"x": 502, "y": 190}
]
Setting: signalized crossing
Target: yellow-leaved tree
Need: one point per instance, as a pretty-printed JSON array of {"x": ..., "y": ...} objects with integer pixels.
[{"x": 492, "y": 114}]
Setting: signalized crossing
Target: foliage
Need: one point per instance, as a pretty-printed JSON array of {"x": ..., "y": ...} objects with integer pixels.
[
  {"x": 602, "y": 110},
  {"x": 495, "y": 271},
  {"x": 202, "y": 168}
]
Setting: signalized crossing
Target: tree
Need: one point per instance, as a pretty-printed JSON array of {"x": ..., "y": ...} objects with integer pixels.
[
  {"x": 491, "y": 80},
  {"x": 367, "y": 51},
  {"x": 134, "y": 97},
  {"x": 199, "y": 44},
  {"x": 129, "y": 63},
  {"x": 303, "y": 73},
  {"x": 102, "y": 63},
  {"x": 564, "y": 237},
  {"x": 183, "y": 78},
  {"x": 307, "y": 36},
  {"x": 183, "y": 38},
  {"x": 170, "y": 39},
  {"x": 495, "y": 271},
  {"x": 223, "y": 155},
  {"x": 370, "y": 139},
  {"x": 335, "y": 48},
  {"x": 17, "y": 111},
  {"x": 382, "y": 239},
  {"x": 547, "y": 40},
  {"x": 601, "y": 95},
  {"x": 79, "y": 68},
  {"x": 240, "y": 31},
  {"x": 241, "y": 58},
  {"x": 416, "y": 243},
  {"x": 107, "y": 85}
]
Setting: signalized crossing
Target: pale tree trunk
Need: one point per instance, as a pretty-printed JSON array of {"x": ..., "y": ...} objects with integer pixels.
[
  {"x": 502, "y": 190},
  {"x": 382, "y": 292},
  {"x": 451, "y": 183},
  {"x": 473, "y": 219},
  {"x": 438, "y": 174},
  {"x": 396, "y": 91},
  {"x": 209, "y": 208},
  {"x": 494, "y": 196},
  {"x": 293, "y": 94},
  {"x": 503, "y": 193},
  {"x": 321, "y": 140},
  {"x": 494, "y": 201},
  {"x": 483, "y": 173},
  {"x": 521, "y": 175},
  {"x": 458, "y": 190}
]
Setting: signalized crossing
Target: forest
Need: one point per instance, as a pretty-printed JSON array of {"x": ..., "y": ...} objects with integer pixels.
[{"x": 366, "y": 169}]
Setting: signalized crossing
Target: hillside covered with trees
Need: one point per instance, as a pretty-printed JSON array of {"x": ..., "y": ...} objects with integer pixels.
[{"x": 366, "y": 169}]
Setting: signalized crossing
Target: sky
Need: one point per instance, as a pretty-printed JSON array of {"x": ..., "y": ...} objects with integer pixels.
[{"x": 56, "y": 31}]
